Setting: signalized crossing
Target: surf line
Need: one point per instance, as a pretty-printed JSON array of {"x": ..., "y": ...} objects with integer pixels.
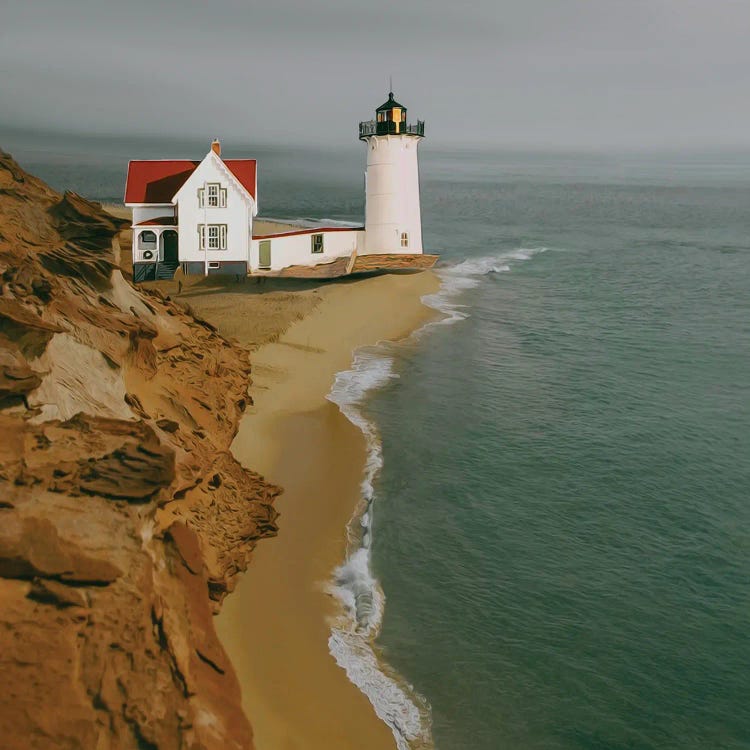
[{"x": 354, "y": 631}]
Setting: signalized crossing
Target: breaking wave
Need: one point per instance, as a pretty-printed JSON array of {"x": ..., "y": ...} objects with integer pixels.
[
  {"x": 353, "y": 633},
  {"x": 352, "y": 636},
  {"x": 467, "y": 274}
]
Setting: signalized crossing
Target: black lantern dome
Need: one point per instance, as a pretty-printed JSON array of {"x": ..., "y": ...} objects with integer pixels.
[
  {"x": 390, "y": 105},
  {"x": 390, "y": 119}
]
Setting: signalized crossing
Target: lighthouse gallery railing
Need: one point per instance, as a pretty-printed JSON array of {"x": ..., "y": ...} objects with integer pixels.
[{"x": 371, "y": 127}]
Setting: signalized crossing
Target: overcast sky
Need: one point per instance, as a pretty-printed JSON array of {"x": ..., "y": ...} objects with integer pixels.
[{"x": 531, "y": 73}]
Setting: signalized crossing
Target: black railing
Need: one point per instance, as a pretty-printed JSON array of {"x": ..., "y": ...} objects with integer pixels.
[{"x": 371, "y": 127}]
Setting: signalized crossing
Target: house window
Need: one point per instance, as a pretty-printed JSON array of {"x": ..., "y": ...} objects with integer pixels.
[
  {"x": 317, "y": 243},
  {"x": 212, "y": 195},
  {"x": 212, "y": 236},
  {"x": 404, "y": 239},
  {"x": 214, "y": 264},
  {"x": 147, "y": 240}
]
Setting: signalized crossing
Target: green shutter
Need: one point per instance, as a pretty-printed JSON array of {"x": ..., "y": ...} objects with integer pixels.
[{"x": 264, "y": 261}]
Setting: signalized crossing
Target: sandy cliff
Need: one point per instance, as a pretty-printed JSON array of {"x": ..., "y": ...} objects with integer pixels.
[{"x": 124, "y": 519}]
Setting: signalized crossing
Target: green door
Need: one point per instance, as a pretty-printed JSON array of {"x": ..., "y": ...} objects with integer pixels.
[
  {"x": 171, "y": 252},
  {"x": 265, "y": 254}
]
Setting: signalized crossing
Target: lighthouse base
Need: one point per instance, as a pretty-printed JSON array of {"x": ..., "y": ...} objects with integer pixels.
[{"x": 356, "y": 265}]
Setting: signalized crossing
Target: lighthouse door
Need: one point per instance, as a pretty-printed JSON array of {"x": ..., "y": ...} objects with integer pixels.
[{"x": 264, "y": 261}]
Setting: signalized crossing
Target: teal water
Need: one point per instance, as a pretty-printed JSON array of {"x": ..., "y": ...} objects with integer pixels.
[
  {"x": 562, "y": 518},
  {"x": 560, "y": 523}
]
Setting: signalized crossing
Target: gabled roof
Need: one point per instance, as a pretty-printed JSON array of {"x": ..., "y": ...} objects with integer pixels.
[
  {"x": 157, "y": 181},
  {"x": 246, "y": 171},
  {"x": 390, "y": 104}
]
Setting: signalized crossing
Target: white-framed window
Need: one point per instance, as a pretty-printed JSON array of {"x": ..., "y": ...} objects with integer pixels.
[
  {"x": 212, "y": 236},
  {"x": 212, "y": 195},
  {"x": 316, "y": 243},
  {"x": 214, "y": 264},
  {"x": 404, "y": 239},
  {"x": 147, "y": 240}
]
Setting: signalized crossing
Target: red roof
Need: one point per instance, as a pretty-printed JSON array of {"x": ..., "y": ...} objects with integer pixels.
[
  {"x": 161, "y": 221},
  {"x": 245, "y": 170},
  {"x": 158, "y": 181},
  {"x": 307, "y": 230}
]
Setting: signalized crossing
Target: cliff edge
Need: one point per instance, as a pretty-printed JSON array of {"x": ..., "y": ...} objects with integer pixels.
[{"x": 124, "y": 518}]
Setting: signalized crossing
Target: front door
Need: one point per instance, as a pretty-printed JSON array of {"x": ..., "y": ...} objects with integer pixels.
[
  {"x": 264, "y": 261},
  {"x": 171, "y": 253}
]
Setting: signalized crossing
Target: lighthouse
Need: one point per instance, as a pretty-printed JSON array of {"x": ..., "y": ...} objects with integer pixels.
[{"x": 393, "y": 221}]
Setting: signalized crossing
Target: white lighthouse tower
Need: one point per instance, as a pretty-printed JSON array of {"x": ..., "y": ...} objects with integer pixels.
[{"x": 393, "y": 221}]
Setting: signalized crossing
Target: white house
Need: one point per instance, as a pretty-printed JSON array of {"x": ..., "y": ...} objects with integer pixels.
[{"x": 199, "y": 215}]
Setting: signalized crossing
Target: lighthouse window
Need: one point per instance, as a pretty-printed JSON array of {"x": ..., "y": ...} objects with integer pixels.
[
  {"x": 317, "y": 243},
  {"x": 404, "y": 239}
]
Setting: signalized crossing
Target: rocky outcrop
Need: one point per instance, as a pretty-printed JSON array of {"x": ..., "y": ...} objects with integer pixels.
[{"x": 124, "y": 518}]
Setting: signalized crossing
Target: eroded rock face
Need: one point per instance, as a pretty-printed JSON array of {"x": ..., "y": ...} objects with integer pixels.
[{"x": 124, "y": 518}]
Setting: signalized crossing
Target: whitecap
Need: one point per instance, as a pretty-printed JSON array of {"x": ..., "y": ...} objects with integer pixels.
[
  {"x": 362, "y": 600},
  {"x": 467, "y": 274}
]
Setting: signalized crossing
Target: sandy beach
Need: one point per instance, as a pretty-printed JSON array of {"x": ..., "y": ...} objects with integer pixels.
[{"x": 275, "y": 625}]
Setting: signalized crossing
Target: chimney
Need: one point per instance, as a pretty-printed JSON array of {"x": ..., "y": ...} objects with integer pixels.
[{"x": 216, "y": 147}]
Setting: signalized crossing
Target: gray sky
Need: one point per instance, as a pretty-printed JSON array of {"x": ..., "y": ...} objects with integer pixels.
[{"x": 531, "y": 73}]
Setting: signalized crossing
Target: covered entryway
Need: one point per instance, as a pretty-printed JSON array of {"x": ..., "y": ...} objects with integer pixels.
[
  {"x": 155, "y": 249},
  {"x": 169, "y": 255}
]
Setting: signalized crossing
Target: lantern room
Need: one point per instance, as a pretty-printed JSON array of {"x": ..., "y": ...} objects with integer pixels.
[
  {"x": 390, "y": 119},
  {"x": 393, "y": 112}
]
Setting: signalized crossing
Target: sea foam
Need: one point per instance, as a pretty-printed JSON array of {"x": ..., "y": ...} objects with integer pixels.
[
  {"x": 467, "y": 274},
  {"x": 353, "y": 633}
]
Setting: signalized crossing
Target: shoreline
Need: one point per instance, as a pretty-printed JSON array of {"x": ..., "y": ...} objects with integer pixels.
[{"x": 277, "y": 624}]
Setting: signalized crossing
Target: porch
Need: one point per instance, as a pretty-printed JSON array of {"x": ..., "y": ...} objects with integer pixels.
[{"x": 156, "y": 253}]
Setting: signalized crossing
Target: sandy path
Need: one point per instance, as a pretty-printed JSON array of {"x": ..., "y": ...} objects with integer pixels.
[{"x": 274, "y": 625}]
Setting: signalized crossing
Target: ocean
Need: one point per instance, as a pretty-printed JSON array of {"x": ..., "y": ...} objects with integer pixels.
[{"x": 555, "y": 549}]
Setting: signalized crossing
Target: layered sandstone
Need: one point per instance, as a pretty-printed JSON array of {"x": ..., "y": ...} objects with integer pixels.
[{"x": 124, "y": 519}]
